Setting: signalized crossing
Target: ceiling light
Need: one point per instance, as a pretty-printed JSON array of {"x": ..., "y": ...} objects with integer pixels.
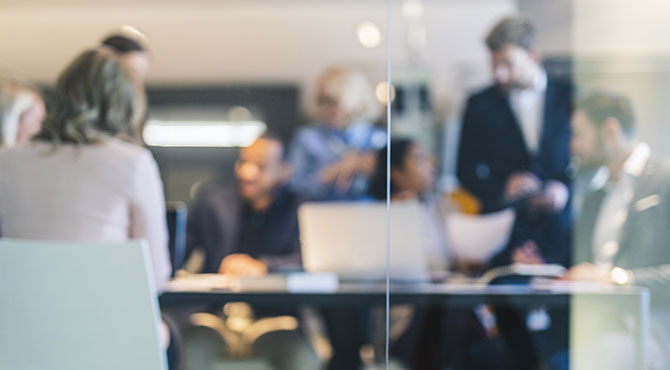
[
  {"x": 369, "y": 35},
  {"x": 202, "y": 133},
  {"x": 382, "y": 92}
]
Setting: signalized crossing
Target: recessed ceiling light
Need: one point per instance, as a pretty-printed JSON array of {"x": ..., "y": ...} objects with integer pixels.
[{"x": 368, "y": 34}]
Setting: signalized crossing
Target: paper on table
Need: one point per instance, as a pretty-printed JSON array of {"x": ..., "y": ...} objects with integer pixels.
[
  {"x": 477, "y": 238},
  {"x": 546, "y": 270},
  {"x": 199, "y": 282},
  {"x": 294, "y": 282},
  {"x": 562, "y": 286}
]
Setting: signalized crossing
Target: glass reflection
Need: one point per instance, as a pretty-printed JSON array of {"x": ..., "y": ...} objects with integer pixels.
[
  {"x": 527, "y": 175},
  {"x": 518, "y": 146}
]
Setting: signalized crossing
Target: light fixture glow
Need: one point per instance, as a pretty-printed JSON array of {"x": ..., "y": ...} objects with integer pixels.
[
  {"x": 412, "y": 9},
  {"x": 202, "y": 133},
  {"x": 382, "y": 92},
  {"x": 369, "y": 35}
]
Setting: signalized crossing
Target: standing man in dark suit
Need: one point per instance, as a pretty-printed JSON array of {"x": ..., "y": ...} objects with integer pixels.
[
  {"x": 514, "y": 147},
  {"x": 514, "y": 151},
  {"x": 623, "y": 233}
]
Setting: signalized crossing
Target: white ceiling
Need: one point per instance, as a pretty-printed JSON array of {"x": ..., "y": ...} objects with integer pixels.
[{"x": 214, "y": 42}]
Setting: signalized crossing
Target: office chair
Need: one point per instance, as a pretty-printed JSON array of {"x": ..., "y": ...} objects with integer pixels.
[
  {"x": 78, "y": 306},
  {"x": 176, "y": 213}
]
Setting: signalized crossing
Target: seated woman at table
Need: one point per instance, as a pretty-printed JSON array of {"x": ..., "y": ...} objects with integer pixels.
[
  {"x": 413, "y": 179},
  {"x": 84, "y": 177},
  {"x": 333, "y": 158}
]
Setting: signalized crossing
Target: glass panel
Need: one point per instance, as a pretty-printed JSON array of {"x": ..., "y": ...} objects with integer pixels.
[
  {"x": 263, "y": 120},
  {"x": 517, "y": 183},
  {"x": 622, "y": 81},
  {"x": 517, "y": 156},
  {"x": 441, "y": 320}
]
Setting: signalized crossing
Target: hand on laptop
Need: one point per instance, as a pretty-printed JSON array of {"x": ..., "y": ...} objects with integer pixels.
[{"x": 239, "y": 264}]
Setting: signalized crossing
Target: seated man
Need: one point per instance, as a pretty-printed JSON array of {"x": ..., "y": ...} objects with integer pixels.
[
  {"x": 250, "y": 230},
  {"x": 622, "y": 235}
]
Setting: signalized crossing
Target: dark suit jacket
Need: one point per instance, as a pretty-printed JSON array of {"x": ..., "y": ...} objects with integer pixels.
[
  {"x": 215, "y": 223},
  {"x": 492, "y": 148},
  {"x": 644, "y": 244}
]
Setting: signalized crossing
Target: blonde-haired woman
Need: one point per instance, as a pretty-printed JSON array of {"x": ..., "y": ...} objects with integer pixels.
[
  {"x": 22, "y": 111},
  {"x": 83, "y": 177},
  {"x": 333, "y": 158}
]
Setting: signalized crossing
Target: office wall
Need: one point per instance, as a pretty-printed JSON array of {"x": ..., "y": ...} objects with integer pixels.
[
  {"x": 207, "y": 42},
  {"x": 220, "y": 42},
  {"x": 624, "y": 48}
]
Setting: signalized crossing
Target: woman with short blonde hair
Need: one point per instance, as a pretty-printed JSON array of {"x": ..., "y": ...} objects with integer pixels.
[
  {"x": 352, "y": 90},
  {"x": 333, "y": 157}
]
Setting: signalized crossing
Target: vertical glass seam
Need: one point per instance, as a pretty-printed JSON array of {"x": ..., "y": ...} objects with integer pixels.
[{"x": 388, "y": 180}]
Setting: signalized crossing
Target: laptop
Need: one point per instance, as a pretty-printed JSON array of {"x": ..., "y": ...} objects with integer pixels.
[{"x": 350, "y": 239}]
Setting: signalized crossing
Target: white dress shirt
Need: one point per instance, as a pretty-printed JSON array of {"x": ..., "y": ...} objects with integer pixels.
[
  {"x": 103, "y": 192},
  {"x": 528, "y": 107},
  {"x": 614, "y": 209}
]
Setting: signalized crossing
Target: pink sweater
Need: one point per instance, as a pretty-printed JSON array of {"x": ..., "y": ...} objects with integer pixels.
[{"x": 104, "y": 192}]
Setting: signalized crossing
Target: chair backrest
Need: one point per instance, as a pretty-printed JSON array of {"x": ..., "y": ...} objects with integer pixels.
[
  {"x": 176, "y": 221},
  {"x": 78, "y": 306}
]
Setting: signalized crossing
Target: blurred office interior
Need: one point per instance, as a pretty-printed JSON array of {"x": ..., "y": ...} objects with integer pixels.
[
  {"x": 223, "y": 72},
  {"x": 208, "y": 57}
]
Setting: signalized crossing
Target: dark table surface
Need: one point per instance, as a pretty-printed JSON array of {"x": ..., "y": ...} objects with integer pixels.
[{"x": 349, "y": 293}]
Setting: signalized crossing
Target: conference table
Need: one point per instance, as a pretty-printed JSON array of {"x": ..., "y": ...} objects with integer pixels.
[{"x": 586, "y": 301}]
